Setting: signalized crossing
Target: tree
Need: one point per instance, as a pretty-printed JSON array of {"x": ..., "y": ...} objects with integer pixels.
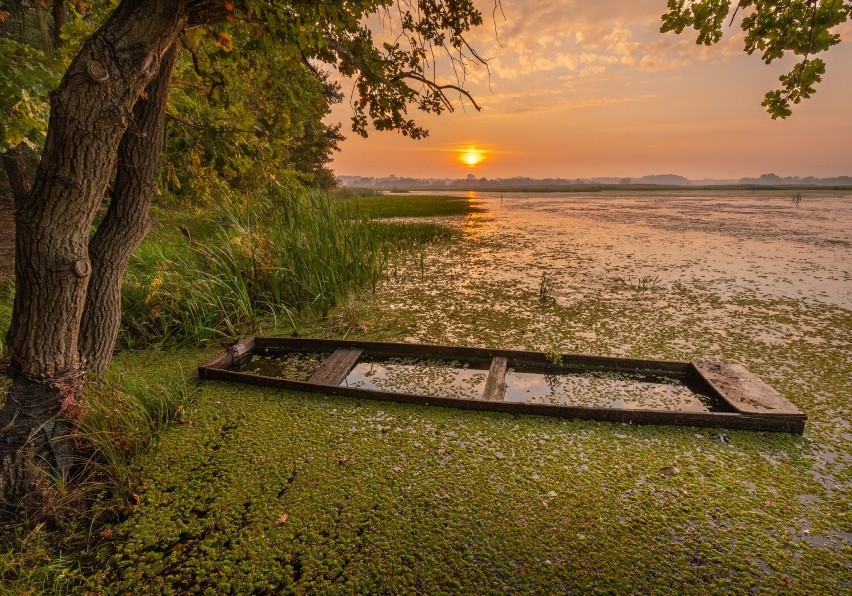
[
  {"x": 104, "y": 137},
  {"x": 773, "y": 28}
]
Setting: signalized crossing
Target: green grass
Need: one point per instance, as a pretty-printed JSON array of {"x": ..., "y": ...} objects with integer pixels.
[
  {"x": 415, "y": 205},
  {"x": 213, "y": 281},
  {"x": 49, "y": 550}
]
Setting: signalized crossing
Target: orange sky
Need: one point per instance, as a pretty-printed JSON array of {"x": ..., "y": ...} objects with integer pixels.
[{"x": 585, "y": 89}]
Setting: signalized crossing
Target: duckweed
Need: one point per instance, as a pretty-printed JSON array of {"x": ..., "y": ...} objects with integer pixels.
[{"x": 393, "y": 498}]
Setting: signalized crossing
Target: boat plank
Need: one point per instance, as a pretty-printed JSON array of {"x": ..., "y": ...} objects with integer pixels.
[
  {"x": 495, "y": 385},
  {"x": 336, "y": 367},
  {"x": 744, "y": 390}
]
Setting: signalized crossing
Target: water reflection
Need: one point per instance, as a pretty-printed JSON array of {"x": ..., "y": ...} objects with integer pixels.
[
  {"x": 604, "y": 390},
  {"x": 443, "y": 378}
]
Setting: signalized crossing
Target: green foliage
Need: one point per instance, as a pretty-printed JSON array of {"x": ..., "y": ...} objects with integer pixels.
[
  {"x": 772, "y": 28},
  {"x": 248, "y": 100},
  {"x": 391, "y": 76},
  {"x": 27, "y": 76},
  {"x": 245, "y": 110}
]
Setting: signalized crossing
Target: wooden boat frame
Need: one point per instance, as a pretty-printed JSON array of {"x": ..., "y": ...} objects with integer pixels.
[{"x": 751, "y": 403}]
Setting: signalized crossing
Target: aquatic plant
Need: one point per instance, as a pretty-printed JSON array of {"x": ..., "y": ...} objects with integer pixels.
[{"x": 545, "y": 288}]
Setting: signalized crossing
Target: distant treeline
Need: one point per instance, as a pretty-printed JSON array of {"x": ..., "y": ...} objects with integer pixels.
[{"x": 655, "y": 182}]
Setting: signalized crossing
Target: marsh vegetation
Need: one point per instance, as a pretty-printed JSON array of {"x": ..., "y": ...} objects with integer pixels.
[{"x": 278, "y": 491}]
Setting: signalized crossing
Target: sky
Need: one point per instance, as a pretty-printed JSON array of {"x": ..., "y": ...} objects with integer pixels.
[{"x": 578, "y": 89}]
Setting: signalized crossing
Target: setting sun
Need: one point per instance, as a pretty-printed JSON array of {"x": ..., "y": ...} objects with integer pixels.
[{"x": 471, "y": 156}]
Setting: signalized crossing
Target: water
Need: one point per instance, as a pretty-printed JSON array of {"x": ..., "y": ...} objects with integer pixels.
[
  {"x": 759, "y": 242},
  {"x": 605, "y": 390},
  {"x": 442, "y": 378},
  {"x": 297, "y": 366},
  {"x": 466, "y": 380}
]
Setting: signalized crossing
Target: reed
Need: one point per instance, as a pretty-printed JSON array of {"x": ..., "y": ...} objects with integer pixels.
[{"x": 274, "y": 258}]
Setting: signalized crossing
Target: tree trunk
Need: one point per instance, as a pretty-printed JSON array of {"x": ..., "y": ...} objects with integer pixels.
[
  {"x": 127, "y": 221},
  {"x": 16, "y": 172},
  {"x": 59, "y": 16},
  {"x": 90, "y": 112},
  {"x": 44, "y": 29}
]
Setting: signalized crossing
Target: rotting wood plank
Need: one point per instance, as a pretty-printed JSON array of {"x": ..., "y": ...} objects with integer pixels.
[
  {"x": 744, "y": 390},
  {"x": 495, "y": 385},
  {"x": 227, "y": 358},
  {"x": 336, "y": 367}
]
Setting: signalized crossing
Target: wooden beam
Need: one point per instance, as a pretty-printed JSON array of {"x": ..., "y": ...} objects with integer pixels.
[
  {"x": 495, "y": 385},
  {"x": 336, "y": 367},
  {"x": 744, "y": 390}
]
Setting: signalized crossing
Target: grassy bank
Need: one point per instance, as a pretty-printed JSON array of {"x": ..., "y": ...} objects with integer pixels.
[
  {"x": 413, "y": 205},
  {"x": 268, "y": 262}
]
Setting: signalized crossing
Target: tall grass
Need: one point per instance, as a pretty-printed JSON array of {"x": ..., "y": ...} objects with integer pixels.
[{"x": 272, "y": 257}]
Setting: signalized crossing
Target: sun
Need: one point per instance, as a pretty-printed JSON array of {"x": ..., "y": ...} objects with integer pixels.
[{"x": 471, "y": 156}]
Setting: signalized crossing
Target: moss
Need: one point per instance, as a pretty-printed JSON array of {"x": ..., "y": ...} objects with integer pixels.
[{"x": 395, "y": 498}]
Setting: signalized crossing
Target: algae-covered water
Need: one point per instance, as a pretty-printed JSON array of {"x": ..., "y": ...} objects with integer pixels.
[{"x": 279, "y": 492}]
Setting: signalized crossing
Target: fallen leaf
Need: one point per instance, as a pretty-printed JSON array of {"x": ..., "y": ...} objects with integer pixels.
[
  {"x": 225, "y": 41},
  {"x": 105, "y": 533}
]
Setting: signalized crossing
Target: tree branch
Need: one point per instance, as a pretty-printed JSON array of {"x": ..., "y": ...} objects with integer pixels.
[
  {"x": 440, "y": 89},
  {"x": 215, "y": 77},
  {"x": 208, "y": 12}
]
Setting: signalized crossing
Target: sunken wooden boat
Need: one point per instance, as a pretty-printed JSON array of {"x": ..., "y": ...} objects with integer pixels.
[{"x": 704, "y": 394}]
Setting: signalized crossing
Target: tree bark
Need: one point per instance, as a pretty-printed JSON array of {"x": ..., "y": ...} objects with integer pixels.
[
  {"x": 16, "y": 172},
  {"x": 90, "y": 112},
  {"x": 127, "y": 221},
  {"x": 44, "y": 29},
  {"x": 59, "y": 17}
]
